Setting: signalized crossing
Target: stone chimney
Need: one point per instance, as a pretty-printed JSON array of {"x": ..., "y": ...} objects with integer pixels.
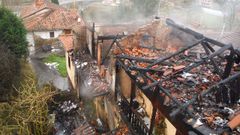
[{"x": 39, "y": 3}]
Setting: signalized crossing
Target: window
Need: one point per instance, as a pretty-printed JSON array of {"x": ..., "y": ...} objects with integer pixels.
[
  {"x": 69, "y": 62},
  {"x": 67, "y": 31},
  {"x": 52, "y": 35}
]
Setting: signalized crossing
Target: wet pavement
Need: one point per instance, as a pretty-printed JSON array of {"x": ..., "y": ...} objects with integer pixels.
[{"x": 45, "y": 75}]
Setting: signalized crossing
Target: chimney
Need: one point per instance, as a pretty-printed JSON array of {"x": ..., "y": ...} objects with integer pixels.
[{"x": 39, "y": 3}]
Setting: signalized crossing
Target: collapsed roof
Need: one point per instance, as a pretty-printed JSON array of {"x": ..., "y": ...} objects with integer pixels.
[{"x": 196, "y": 78}]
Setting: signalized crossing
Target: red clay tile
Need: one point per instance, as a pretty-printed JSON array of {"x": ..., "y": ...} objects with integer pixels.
[
  {"x": 235, "y": 122},
  {"x": 178, "y": 67}
]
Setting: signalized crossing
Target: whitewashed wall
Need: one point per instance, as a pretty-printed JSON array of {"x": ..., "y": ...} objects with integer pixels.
[
  {"x": 42, "y": 34},
  {"x": 46, "y": 34},
  {"x": 30, "y": 39}
]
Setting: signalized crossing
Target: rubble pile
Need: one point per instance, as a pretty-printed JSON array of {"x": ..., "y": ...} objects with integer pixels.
[
  {"x": 92, "y": 85},
  {"x": 69, "y": 116}
]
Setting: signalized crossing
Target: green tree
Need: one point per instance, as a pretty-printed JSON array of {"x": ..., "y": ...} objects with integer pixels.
[
  {"x": 12, "y": 33},
  {"x": 55, "y": 1}
]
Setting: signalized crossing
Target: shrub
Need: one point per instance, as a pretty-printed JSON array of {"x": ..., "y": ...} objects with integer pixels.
[
  {"x": 13, "y": 33},
  {"x": 27, "y": 113}
]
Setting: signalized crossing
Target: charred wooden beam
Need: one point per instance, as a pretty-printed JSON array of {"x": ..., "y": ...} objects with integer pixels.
[
  {"x": 139, "y": 59},
  {"x": 211, "y": 89},
  {"x": 104, "y": 58},
  {"x": 182, "y": 28},
  {"x": 217, "y": 69},
  {"x": 119, "y": 46},
  {"x": 93, "y": 42},
  {"x": 160, "y": 72},
  {"x": 110, "y": 37},
  {"x": 204, "y": 60},
  {"x": 230, "y": 62},
  {"x": 194, "y": 33},
  {"x": 158, "y": 61},
  {"x": 196, "y": 64},
  {"x": 215, "y": 42}
]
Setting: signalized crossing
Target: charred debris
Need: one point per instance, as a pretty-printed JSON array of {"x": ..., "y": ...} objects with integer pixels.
[
  {"x": 195, "y": 86},
  {"x": 190, "y": 79}
]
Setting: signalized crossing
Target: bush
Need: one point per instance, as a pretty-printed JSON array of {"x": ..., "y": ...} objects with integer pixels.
[
  {"x": 9, "y": 73},
  {"x": 39, "y": 42},
  {"x": 27, "y": 114},
  {"x": 12, "y": 33}
]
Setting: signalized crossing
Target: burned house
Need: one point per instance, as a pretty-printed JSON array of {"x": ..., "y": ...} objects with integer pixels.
[
  {"x": 161, "y": 79},
  {"x": 166, "y": 73},
  {"x": 189, "y": 79}
]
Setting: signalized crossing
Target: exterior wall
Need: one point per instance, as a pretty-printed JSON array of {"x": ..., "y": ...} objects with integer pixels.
[
  {"x": 107, "y": 111},
  {"x": 30, "y": 39},
  {"x": 170, "y": 129},
  {"x": 70, "y": 70},
  {"x": 89, "y": 40},
  {"x": 46, "y": 34},
  {"x": 141, "y": 98},
  {"x": 125, "y": 83}
]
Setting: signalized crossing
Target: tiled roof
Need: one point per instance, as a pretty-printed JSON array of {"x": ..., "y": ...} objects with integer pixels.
[
  {"x": 67, "y": 40},
  {"x": 48, "y": 16},
  {"x": 33, "y": 8}
]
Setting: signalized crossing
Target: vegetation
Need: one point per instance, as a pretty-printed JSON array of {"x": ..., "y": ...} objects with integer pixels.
[
  {"x": 27, "y": 113},
  {"x": 9, "y": 73},
  {"x": 13, "y": 33},
  {"x": 61, "y": 68},
  {"x": 13, "y": 46},
  {"x": 39, "y": 42},
  {"x": 55, "y": 1}
]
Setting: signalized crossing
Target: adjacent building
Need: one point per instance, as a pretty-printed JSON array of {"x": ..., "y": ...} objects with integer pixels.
[{"x": 47, "y": 20}]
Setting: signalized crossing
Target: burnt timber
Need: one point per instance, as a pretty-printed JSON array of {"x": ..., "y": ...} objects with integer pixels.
[{"x": 179, "y": 114}]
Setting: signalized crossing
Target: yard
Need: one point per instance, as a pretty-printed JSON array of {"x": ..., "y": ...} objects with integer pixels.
[{"x": 60, "y": 61}]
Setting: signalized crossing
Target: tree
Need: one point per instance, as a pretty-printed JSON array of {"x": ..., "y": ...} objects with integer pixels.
[
  {"x": 55, "y": 1},
  {"x": 12, "y": 33}
]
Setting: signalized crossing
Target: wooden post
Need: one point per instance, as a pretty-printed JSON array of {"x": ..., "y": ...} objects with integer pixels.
[
  {"x": 154, "y": 111},
  {"x": 99, "y": 54},
  {"x": 133, "y": 89}
]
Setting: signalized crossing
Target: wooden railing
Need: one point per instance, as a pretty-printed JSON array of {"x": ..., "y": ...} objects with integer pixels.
[{"x": 133, "y": 117}]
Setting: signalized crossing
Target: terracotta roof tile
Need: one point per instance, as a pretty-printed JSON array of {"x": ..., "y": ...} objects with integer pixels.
[
  {"x": 235, "y": 122},
  {"x": 67, "y": 41},
  {"x": 48, "y": 16}
]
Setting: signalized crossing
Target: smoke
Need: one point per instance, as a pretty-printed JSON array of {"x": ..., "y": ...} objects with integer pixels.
[{"x": 118, "y": 12}]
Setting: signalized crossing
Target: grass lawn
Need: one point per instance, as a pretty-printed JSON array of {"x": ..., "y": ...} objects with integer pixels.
[{"x": 61, "y": 68}]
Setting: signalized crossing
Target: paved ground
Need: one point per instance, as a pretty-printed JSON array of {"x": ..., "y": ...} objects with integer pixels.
[{"x": 46, "y": 75}]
